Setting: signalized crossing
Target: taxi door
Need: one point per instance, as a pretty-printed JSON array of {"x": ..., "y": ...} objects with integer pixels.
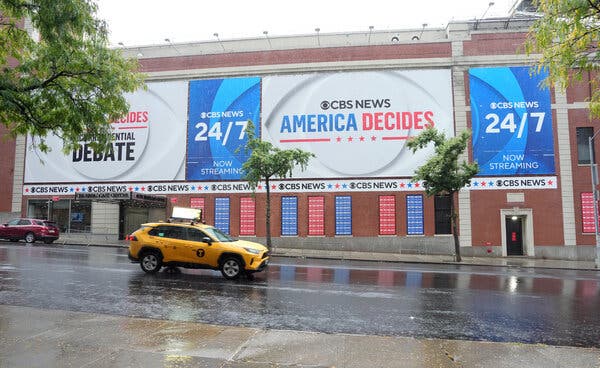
[
  {"x": 171, "y": 240},
  {"x": 201, "y": 251}
]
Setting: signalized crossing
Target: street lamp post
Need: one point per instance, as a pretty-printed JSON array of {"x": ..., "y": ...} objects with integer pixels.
[{"x": 594, "y": 173}]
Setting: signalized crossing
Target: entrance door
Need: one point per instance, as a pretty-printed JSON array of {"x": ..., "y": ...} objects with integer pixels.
[
  {"x": 514, "y": 235},
  {"x": 134, "y": 216}
]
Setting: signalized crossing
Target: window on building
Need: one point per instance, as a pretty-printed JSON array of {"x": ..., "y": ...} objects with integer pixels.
[
  {"x": 387, "y": 215},
  {"x": 289, "y": 216},
  {"x": 39, "y": 208},
  {"x": 583, "y": 148},
  {"x": 343, "y": 215},
  {"x": 587, "y": 212},
  {"x": 222, "y": 214},
  {"x": 247, "y": 216},
  {"x": 198, "y": 203},
  {"x": 316, "y": 216},
  {"x": 414, "y": 215},
  {"x": 442, "y": 214},
  {"x": 70, "y": 215},
  {"x": 81, "y": 213}
]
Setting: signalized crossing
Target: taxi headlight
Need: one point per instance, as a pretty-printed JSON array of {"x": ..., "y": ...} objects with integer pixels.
[{"x": 252, "y": 250}]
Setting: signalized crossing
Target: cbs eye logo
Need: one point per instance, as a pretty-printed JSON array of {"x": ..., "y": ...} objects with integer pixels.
[{"x": 325, "y": 105}]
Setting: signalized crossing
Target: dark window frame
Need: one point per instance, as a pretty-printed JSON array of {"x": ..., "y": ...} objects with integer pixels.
[
  {"x": 443, "y": 215},
  {"x": 583, "y": 149}
]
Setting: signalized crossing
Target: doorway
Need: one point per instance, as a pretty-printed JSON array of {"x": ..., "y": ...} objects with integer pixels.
[
  {"x": 514, "y": 235},
  {"x": 520, "y": 222}
]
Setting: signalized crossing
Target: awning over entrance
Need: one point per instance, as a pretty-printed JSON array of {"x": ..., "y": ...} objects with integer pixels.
[{"x": 129, "y": 198}]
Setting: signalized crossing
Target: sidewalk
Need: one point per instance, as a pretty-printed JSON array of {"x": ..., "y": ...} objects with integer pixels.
[
  {"x": 31, "y": 337},
  {"x": 526, "y": 262}
]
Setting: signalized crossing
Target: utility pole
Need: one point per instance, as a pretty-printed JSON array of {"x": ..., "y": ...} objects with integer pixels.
[{"x": 594, "y": 173}]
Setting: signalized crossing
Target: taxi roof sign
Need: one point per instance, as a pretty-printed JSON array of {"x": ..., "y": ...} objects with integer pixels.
[{"x": 186, "y": 213}]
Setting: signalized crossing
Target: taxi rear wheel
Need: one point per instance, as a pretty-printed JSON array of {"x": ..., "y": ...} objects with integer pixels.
[
  {"x": 150, "y": 262},
  {"x": 231, "y": 268}
]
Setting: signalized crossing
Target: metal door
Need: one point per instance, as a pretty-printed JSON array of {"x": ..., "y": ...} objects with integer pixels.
[{"x": 514, "y": 235}]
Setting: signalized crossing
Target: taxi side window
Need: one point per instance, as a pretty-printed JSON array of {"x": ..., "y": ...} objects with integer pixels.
[
  {"x": 159, "y": 231},
  {"x": 195, "y": 235},
  {"x": 175, "y": 232}
]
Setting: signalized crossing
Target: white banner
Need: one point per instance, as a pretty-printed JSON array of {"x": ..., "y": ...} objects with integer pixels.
[
  {"x": 287, "y": 186},
  {"x": 357, "y": 123},
  {"x": 148, "y": 144}
]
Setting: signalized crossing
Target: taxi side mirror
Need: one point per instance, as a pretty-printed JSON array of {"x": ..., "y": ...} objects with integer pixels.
[{"x": 207, "y": 240}]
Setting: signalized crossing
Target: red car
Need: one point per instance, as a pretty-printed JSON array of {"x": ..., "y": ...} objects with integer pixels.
[{"x": 30, "y": 230}]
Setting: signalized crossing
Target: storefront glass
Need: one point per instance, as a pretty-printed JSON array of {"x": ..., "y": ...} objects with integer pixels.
[{"x": 69, "y": 215}]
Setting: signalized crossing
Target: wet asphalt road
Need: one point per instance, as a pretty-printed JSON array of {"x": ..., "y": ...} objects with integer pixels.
[{"x": 556, "y": 307}]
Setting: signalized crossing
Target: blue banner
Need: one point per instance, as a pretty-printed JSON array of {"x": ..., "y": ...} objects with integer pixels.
[
  {"x": 219, "y": 110},
  {"x": 512, "y": 121}
]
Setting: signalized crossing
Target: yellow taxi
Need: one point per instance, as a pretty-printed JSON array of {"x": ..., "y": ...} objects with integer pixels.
[{"x": 194, "y": 245}]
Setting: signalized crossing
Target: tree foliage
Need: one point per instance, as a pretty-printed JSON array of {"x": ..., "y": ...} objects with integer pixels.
[
  {"x": 566, "y": 35},
  {"x": 443, "y": 174},
  {"x": 66, "y": 81},
  {"x": 267, "y": 161}
]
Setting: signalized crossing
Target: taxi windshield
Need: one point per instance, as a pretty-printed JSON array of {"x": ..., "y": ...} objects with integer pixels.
[{"x": 215, "y": 233}]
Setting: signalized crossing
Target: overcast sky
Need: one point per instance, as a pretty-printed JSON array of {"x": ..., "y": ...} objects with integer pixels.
[{"x": 144, "y": 22}]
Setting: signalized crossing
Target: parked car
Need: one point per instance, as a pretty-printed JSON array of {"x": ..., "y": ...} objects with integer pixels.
[
  {"x": 194, "y": 245},
  {"x": 30, "y": 230}
]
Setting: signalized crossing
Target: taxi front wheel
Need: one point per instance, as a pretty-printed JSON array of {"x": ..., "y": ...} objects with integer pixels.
[{"x": 231, "y": 268}]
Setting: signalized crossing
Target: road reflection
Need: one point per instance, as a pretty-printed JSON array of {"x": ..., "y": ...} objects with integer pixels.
[{"x": 414, "y": 279}]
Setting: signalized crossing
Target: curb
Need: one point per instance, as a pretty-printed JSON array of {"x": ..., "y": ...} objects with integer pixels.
[{"x": 336, "y": 256}]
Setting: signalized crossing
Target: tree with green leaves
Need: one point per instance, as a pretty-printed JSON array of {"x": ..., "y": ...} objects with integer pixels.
[
  {"x": 59, "y": 76},
  {"x": 566, "y": 35},
  {"x": 267, "y": 161},
  {"x": 443, "y": 174}
]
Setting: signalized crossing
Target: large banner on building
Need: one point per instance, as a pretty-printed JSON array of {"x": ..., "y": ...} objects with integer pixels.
[
  {"x": 146, "y": 144},
  {"x": 357, "y": 123},
  {"x": 219, "y": 110},
  {"x": 512, "y": 121}
]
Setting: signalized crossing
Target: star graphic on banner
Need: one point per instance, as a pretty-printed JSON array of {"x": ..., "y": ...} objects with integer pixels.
[
  {"x": 143, "y": 189},
  {"x": 130, "y": 189},
  {"x": 402, "y": 185},
  {"x": 337, "y": 186},
  {"x": 350, "y": 139},
  {"x": 409, "y": 185},
  {"x": 373, "y": 138},
  {"x": 491, "y": 184},
  {"x": 417, "y": 184},
  {"x": 330, "y": 186},
  {"x": 26, "y": 190},
  {"x": 362, "y": 139},
  {"x": 273, "y": 187},
  {"x": 338, "y": 139},
  {"x": 550, "y": 182},
  {"x": 83, "y": 189},
  {"x": 71, "y": 190},
  {"x": 136, "y": 189},
  {"x": 483, "y": 183},
  {"x": 206, "y": 187},
  {"x": 77, "y": 189},
  {"x": 475, "y": 183},
  {"x": 193, "y": 187},
  {"x": 344, "y": 185},
  {"x": 259, "y": 187}
]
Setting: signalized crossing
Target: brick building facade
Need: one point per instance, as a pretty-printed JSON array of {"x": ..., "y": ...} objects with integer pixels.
[{"x": 552, "y": 213}]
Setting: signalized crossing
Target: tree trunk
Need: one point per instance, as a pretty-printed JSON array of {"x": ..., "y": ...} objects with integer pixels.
[
  {"x": 268, "y": 217},
  {"x": 455, "y": 229}
]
